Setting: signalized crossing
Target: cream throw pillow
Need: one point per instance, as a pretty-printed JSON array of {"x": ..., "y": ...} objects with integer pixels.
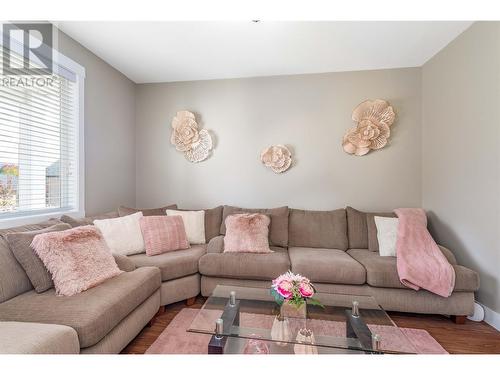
[
  {"x": 387, "y": 234},
  {"x": 122, "y": 234},
  {"x": 194, "y": 222}
]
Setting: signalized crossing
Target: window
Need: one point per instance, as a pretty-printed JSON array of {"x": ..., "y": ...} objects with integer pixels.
[{"x": 41, "y": 145}]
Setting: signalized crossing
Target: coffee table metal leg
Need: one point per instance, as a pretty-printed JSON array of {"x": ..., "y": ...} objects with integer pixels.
[
  {"x": 356, "y": 328},
  {"x": 230, "y": 317}
]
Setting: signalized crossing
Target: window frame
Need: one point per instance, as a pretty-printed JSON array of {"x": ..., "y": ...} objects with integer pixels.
[{"x": 61, "y": 63}]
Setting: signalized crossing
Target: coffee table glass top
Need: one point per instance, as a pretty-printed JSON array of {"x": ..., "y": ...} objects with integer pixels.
[{"x": 259, "y": 318}]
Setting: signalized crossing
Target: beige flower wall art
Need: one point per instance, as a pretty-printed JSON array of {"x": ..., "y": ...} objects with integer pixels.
[
  {"x": 278, "y": 158},
  {"x": 373, "y": 118},
  {"x": 187, "y": 138}
]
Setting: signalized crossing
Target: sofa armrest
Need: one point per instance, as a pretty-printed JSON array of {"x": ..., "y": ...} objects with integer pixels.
[
  {"x": 216, "y": 245},
  {"x": 124, "y": 263},
  {"x": 448, "y": 254}
]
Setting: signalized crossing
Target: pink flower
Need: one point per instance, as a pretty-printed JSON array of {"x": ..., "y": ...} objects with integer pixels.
[
  {"x": 305, "y": 289},
  {"x": 284, "y": 287}
]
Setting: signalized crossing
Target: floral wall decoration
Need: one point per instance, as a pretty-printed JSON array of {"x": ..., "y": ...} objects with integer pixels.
[
  {"x": 278, "y": 158},
  {"x": 374, "y": 118},
  {"x": 187, "y": 138}
]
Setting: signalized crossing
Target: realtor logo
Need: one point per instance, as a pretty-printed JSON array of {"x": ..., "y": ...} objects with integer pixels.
[{"x": 33, "y": 41}]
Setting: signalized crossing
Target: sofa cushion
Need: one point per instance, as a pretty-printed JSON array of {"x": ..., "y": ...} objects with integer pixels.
[
  {"x": 246, "y": 265},
  {"x": 213, "y": 220},
  {"x": 124, "y": 263},
  {"x": 371, "y": 228},
  {"x": 173, "y": 264},
  {"x": 93, "y": 313},
  {"x": 278, "y": 230},
  {"x": 89, "y": 220},
  {"x": 326, "y": 265},
  {"x": 357, "y": 228},
  {"x": 357, "y": 231},
  {"x": 382, "y": 272},
  {"x": 20, "y": 245},
  {"x": 321, "y": 229},
  {"x": 216, "y": 245},
  {"x": 37, "y": 338},
  {"x": 13, "y": 279},
  {"x": 125, "y": 211}
]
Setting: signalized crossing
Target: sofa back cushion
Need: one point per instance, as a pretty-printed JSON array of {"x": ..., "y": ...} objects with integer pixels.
[
  {"x": 361, "y": 227},
  {"x": 20, "y": 245},
  {"x": 13, "y": 279},
  {"x": 320, "y": 229},
  {"x": 213, "y": 220},
  {"x": 278, "y": 229},
  {"x": 357, "y": 232},
  {"x": 125, "y": 211},
  {"x": 89, "y": 220}
]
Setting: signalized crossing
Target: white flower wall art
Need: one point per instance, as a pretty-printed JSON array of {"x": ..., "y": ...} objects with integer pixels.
[
  {"x": 187, "y": 138},
  {"x": 374, "y": 119},
  {"x": 277, "y": 157}
]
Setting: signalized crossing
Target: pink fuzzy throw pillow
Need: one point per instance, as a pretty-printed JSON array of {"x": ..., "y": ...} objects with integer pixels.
[
  {"x": 78, "y": 259},
  {"x": 163, "y": 233},
  {"x": 247, "y": 233}
]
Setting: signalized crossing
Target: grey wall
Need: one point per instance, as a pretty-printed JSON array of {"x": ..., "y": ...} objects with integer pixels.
[
  {"x": 109, "y": 131},
  {"x": 443, "y": 153},
  {"x": 309, "y": 113},
  {"x": 461, "y": 170}
]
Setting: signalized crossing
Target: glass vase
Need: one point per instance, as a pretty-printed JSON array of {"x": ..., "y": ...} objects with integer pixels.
[{"x": 289, "y": 310}]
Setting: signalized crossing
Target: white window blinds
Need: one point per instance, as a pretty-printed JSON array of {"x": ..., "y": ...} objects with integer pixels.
[{"x": 39, "y": 142}]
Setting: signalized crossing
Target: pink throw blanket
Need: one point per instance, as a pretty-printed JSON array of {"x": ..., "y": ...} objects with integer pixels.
[{"x": 420, "y": 262}]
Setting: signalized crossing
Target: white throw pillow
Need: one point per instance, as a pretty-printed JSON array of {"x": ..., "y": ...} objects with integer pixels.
[
  {"x": 387, "y": 234},
  {"x": 194, "y": 222},
  {"x": 122, "y": 234}
]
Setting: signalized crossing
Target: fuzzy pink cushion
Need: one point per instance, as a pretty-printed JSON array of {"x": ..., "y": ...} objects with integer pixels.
[
  {"x": 247, "y": 233},
  {"x": 163, "y": 233},
  {"x": 78, "y": 259}
]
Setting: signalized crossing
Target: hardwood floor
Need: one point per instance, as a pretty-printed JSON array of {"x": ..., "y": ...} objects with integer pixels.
[{"x": 468, "y": 338}]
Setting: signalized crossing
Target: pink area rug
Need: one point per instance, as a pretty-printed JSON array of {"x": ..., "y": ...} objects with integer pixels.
[{"x": 175, "y": 340}]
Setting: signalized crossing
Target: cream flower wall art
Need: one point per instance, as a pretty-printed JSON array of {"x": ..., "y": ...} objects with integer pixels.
[
  {"x": 278, "y": 158},
  {"x": 187, "y": 138},
  {"x": 374, "y": 119}
]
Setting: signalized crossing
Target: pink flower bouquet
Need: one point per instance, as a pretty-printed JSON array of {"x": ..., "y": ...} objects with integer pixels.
[{"x": 293, "y": 288}]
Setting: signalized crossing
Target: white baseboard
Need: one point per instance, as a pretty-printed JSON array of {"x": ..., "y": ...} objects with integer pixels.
[{"x": 491, "y": 317}]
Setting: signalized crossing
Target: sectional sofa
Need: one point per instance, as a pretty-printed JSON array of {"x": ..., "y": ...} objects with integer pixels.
[{"x": 332, "y": 248}]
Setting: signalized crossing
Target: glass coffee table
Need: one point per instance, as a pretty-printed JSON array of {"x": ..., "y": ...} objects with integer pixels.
[{"x": 248, "y": 320}]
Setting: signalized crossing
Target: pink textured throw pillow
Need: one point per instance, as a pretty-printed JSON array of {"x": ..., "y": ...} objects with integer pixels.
[
  {"x": 247, "y": 233},
  {"x": 163, "y": 233},
  {"x": 78, "y": 259}
]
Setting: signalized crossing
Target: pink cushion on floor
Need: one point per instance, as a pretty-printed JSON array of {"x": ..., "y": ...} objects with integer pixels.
[
  {"x": 163, "y": 233},
  {"x": 78, "y": 259},
  {"x": 247, "y": 233}
]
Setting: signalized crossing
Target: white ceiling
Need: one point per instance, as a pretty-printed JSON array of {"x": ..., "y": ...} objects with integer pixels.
[{"x": 185, "y": 51}]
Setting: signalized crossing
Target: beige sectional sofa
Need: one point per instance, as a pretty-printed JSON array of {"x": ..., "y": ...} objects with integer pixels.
[
  {"x": 329, "y": 247},
  {"x": 104, "y": 319}
]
